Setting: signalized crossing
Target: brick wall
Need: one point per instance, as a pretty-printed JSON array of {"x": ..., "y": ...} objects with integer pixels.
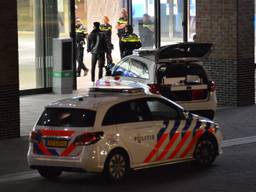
[
  {"x": 228, "y": 26},
  {"x": 223, "y": 72},
  {"x": 246, "y": 66},
  {"x": 9, "y": 82}
]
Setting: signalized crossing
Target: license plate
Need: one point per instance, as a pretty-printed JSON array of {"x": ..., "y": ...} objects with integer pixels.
[{"x": 57, "y": 143}]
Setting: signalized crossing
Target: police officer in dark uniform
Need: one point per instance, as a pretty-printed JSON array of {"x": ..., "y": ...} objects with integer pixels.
[
  {"x": 106, "y": 28},
  {"x": 97, "y": 45},
  {"x": 81, "y": 34},
  {"x": 146, "y": 29},
  {"x": 121, "y": 24},
  {"x": 129, "y": 41}
]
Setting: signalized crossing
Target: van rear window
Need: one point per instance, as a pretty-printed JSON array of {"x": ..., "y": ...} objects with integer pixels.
[{"x": 64, "y": 117}]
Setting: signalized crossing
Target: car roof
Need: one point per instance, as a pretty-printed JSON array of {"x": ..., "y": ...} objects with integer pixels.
[
  {"x": 98, "y": 96},
  {"x": 83, "y": 102},
  {"x": 140, "y": 57},
  {"x": 188, "y": 50},
  {"x": 176, "y": 53},
  {"x": 93, "y": 102}
]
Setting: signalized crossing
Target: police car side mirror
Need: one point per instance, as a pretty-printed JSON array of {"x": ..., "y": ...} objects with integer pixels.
[{"x": 187, "y": 114}]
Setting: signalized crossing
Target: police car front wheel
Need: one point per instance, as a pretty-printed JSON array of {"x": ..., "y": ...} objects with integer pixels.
[
  {"x": 206, "y": 151},
  {"x": 116, "y": 166},
  {"x": 50, "y": 174}
]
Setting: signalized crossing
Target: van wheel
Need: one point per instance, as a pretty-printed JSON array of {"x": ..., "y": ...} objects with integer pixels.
[
  {"x": 206, "y": 151},
  {"x": 50, "y": 173},
  {"x": 116, "y": 166}
]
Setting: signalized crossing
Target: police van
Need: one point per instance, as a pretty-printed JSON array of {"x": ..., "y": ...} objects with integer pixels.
[{"x": 112, "y": 131}]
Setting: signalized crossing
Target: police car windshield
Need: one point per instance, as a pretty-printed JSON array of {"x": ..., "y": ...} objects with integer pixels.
[{"x": 65, "y": 117}]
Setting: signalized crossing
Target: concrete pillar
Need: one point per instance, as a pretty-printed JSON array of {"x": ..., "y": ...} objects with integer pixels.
[
  {"x": 229, "y": 26},
  {"x": 9, "y": 80}
]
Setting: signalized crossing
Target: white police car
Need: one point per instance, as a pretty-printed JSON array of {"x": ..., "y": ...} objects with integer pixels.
[{"x": 114, "y": 130}]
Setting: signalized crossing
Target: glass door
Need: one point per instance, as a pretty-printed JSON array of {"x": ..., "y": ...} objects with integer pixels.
[
  {"x": 26, "y": 40},
  {"x": 90, "y": 11},
  {"x": 64, "y": 20},
  {"x": 39, "y": 21},
  {"x": 191, "y": 20},
  {"x": 143, "y": 21},
  {"x": 171, "y": 18}
]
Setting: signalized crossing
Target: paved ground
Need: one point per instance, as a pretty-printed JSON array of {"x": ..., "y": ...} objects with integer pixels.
[
  {"x": 234, "y": 171},
  {"x": 13, "y": 155}
]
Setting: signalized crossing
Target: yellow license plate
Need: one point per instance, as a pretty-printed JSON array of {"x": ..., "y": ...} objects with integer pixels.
[{"x": 57, "y": 143}]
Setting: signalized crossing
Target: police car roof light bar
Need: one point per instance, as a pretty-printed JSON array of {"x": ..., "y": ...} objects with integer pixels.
[{"x": 105, "y": 90}]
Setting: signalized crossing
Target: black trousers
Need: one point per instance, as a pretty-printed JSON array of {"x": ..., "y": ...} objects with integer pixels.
[
  {"x": 100, "y": 58},
  {"x": 109, "y": 57},
  {"x": 80, "y": 58},
  {"x": 121, "y": 48}
]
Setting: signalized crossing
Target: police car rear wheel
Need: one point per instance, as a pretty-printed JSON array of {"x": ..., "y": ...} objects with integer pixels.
[
  {"x": 50, "y": 174},
  {"x": 116, "y": 166},
  {"x": 206, "y": 151}
]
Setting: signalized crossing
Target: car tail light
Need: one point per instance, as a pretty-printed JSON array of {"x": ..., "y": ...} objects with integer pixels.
[
  {"x": 212, "y": 86},
  {"x": 154, "y": 88},
  {"x": 117, "y": 78},
  {"x": 34, "y": 137},
  {"x": 88, "y": 138}
]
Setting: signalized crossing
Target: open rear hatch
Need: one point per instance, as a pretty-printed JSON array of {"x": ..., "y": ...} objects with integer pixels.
[
  {"x": 183, "y": 82},
  {"x": 183, "y": 51},
  {"x": 179, "y": 74}
]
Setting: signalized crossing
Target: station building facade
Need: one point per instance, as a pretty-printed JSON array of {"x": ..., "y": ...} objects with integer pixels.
[{"x": 28, "y": 28}]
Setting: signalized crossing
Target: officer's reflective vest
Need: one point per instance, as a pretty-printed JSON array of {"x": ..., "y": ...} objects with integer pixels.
[
  {"x": 105, "y": 28},
  {"x": 122, "y": 21},
  {"x": 132, "y": 38},
  {"x": 81, "y": 30}
]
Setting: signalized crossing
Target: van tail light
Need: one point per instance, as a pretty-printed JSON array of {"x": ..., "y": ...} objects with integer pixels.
[
  {"x": 34, "y": 137},
  {"x": 154, "y": 88},
  {"x": 212, "y": 86},
  {"x": 88, "y": 138}
]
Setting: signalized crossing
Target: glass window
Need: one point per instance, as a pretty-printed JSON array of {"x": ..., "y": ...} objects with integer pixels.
[
  {"x": 26, "y": 39},
  {"x": 143, "y": 13},
  {"x": 67, "y": 117},
  {"x": 122, "y": 68},
  {"x": 120, "y": 113},
  {"x": 161, "y": 111},
  {"x": 171, "y": 21},
  {"x": 192, "y": 20},
  {"x": 139, "y": 69},
  {"x": 64, "y": 18},
  {"x": 127, "y": 112}
]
